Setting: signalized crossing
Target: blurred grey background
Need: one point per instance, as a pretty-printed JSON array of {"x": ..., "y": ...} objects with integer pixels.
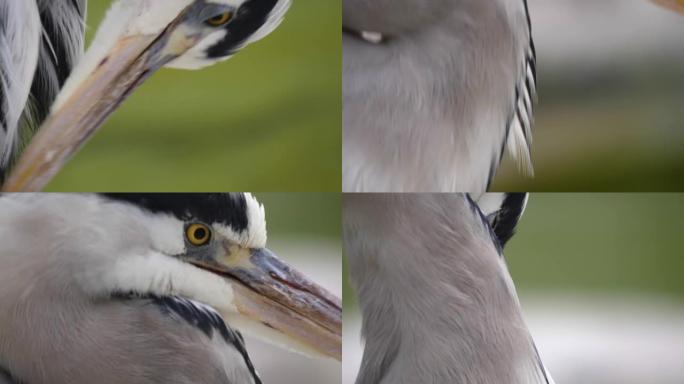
[
  {"x": 304, "y": 230},
  {"x": 610, "y": 115},
  {"x": 600, "y": 281}
]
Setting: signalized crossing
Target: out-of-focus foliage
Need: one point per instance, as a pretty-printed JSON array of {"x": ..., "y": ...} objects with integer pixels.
[
  {"x": 614, "y": 243},
  {"x": 268, "y": 119},
  {"x": 303, "y": 214}
]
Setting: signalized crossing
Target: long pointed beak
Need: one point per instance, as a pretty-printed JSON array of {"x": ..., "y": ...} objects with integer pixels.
[
  {"x": 129, "y": 62},
  {"x": 274, "y": 294}
]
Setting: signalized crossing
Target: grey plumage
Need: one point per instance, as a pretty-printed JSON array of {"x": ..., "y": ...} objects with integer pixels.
[
  {"x": 134, "y": 288},
  {"x": 438, "y": 303},
  {"x": 53, "y": 329},
  {"x": 431, "y": 107},
  {"x": 40, "y": 42},
  {"x": 19, "y": 23},
  {"x": 111, "y": 341}
]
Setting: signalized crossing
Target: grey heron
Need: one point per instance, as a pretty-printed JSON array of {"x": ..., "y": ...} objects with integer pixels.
[
  {"x": 433, "y": 91},
  {"x": 438, "y": 304},
  {"x": 140, "y": 288},
  {"x": 42, "y": 74}
]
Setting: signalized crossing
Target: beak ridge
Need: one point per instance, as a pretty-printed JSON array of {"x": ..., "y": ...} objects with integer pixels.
[{"x": 272, "y": 293}]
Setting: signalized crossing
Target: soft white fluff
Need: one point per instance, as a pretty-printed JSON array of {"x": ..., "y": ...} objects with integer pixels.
[
  {"x": 104, "y": 247},
  {"x": 255, "y": 235},
  {"x": 160, "y": 275}
]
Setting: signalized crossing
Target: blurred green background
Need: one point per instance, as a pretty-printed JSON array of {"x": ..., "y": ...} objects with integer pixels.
[
  {"x": 269, "y": 119},
  {"x": 611, "y": 243},
  {"x": 303, "y": 214},
  {"x": 591, "y": 243},
  {"x": 610, "y": 115}
]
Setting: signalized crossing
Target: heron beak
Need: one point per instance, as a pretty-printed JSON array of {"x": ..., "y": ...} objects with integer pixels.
[
  {"x": 77, "y": 116},
  {"x": 272, "y": 293}
]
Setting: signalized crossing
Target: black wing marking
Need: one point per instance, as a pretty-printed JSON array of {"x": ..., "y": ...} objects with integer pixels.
[
  {"x": 504, "y": 220},
  {"x": 484, "y": 219},
  {"x": 519, "y": 136},
  {"x": 61, "y": 49},
  {"x": 208, "y": 321},
  {"x": 200, "y": 316},
  {"x": 7, "y": 378},
  {"x": 540, "y": 365}
]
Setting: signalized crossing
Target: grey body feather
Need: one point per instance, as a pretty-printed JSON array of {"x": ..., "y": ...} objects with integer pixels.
[
  {"x": 431, "y": 107},
  {"x": 40, "y": 43},
  {"x": 59, "y": 340},
  {"x": 52, "y": 331},
  {"x": 438, "y": 303}
]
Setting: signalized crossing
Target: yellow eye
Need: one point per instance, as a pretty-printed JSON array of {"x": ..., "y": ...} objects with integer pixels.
[
  {"x": 220, "y": 20},
  {"x": 198, "y": 234}
]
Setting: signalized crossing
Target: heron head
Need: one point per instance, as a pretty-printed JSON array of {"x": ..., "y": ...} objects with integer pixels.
[
  {"x": 212, "y": 248},
  {"x": 211, "y": 31},
  {"x": 136, "y": 39}
]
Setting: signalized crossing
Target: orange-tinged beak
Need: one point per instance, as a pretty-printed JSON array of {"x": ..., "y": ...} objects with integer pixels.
[{"x": 271, "y": 293}]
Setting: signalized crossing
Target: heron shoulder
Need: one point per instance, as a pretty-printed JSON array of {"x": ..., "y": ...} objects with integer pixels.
[{"x": 224, "y": 342}]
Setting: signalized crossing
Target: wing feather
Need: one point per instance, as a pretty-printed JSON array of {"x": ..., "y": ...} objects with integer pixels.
[
  {"x": 54, "y": 36},
  {"x": 519, "y": 140},
  {"x": 19, "y": 46},
  {"x": 60, "y": 50}
]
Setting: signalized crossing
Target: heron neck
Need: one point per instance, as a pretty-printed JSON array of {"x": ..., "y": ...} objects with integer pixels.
[{"x": 437, "y": 301}]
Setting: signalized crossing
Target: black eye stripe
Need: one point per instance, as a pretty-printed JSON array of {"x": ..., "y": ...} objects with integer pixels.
[
  {"x": 229, "y": 209},
  {"x": 251, "y": 15}
]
